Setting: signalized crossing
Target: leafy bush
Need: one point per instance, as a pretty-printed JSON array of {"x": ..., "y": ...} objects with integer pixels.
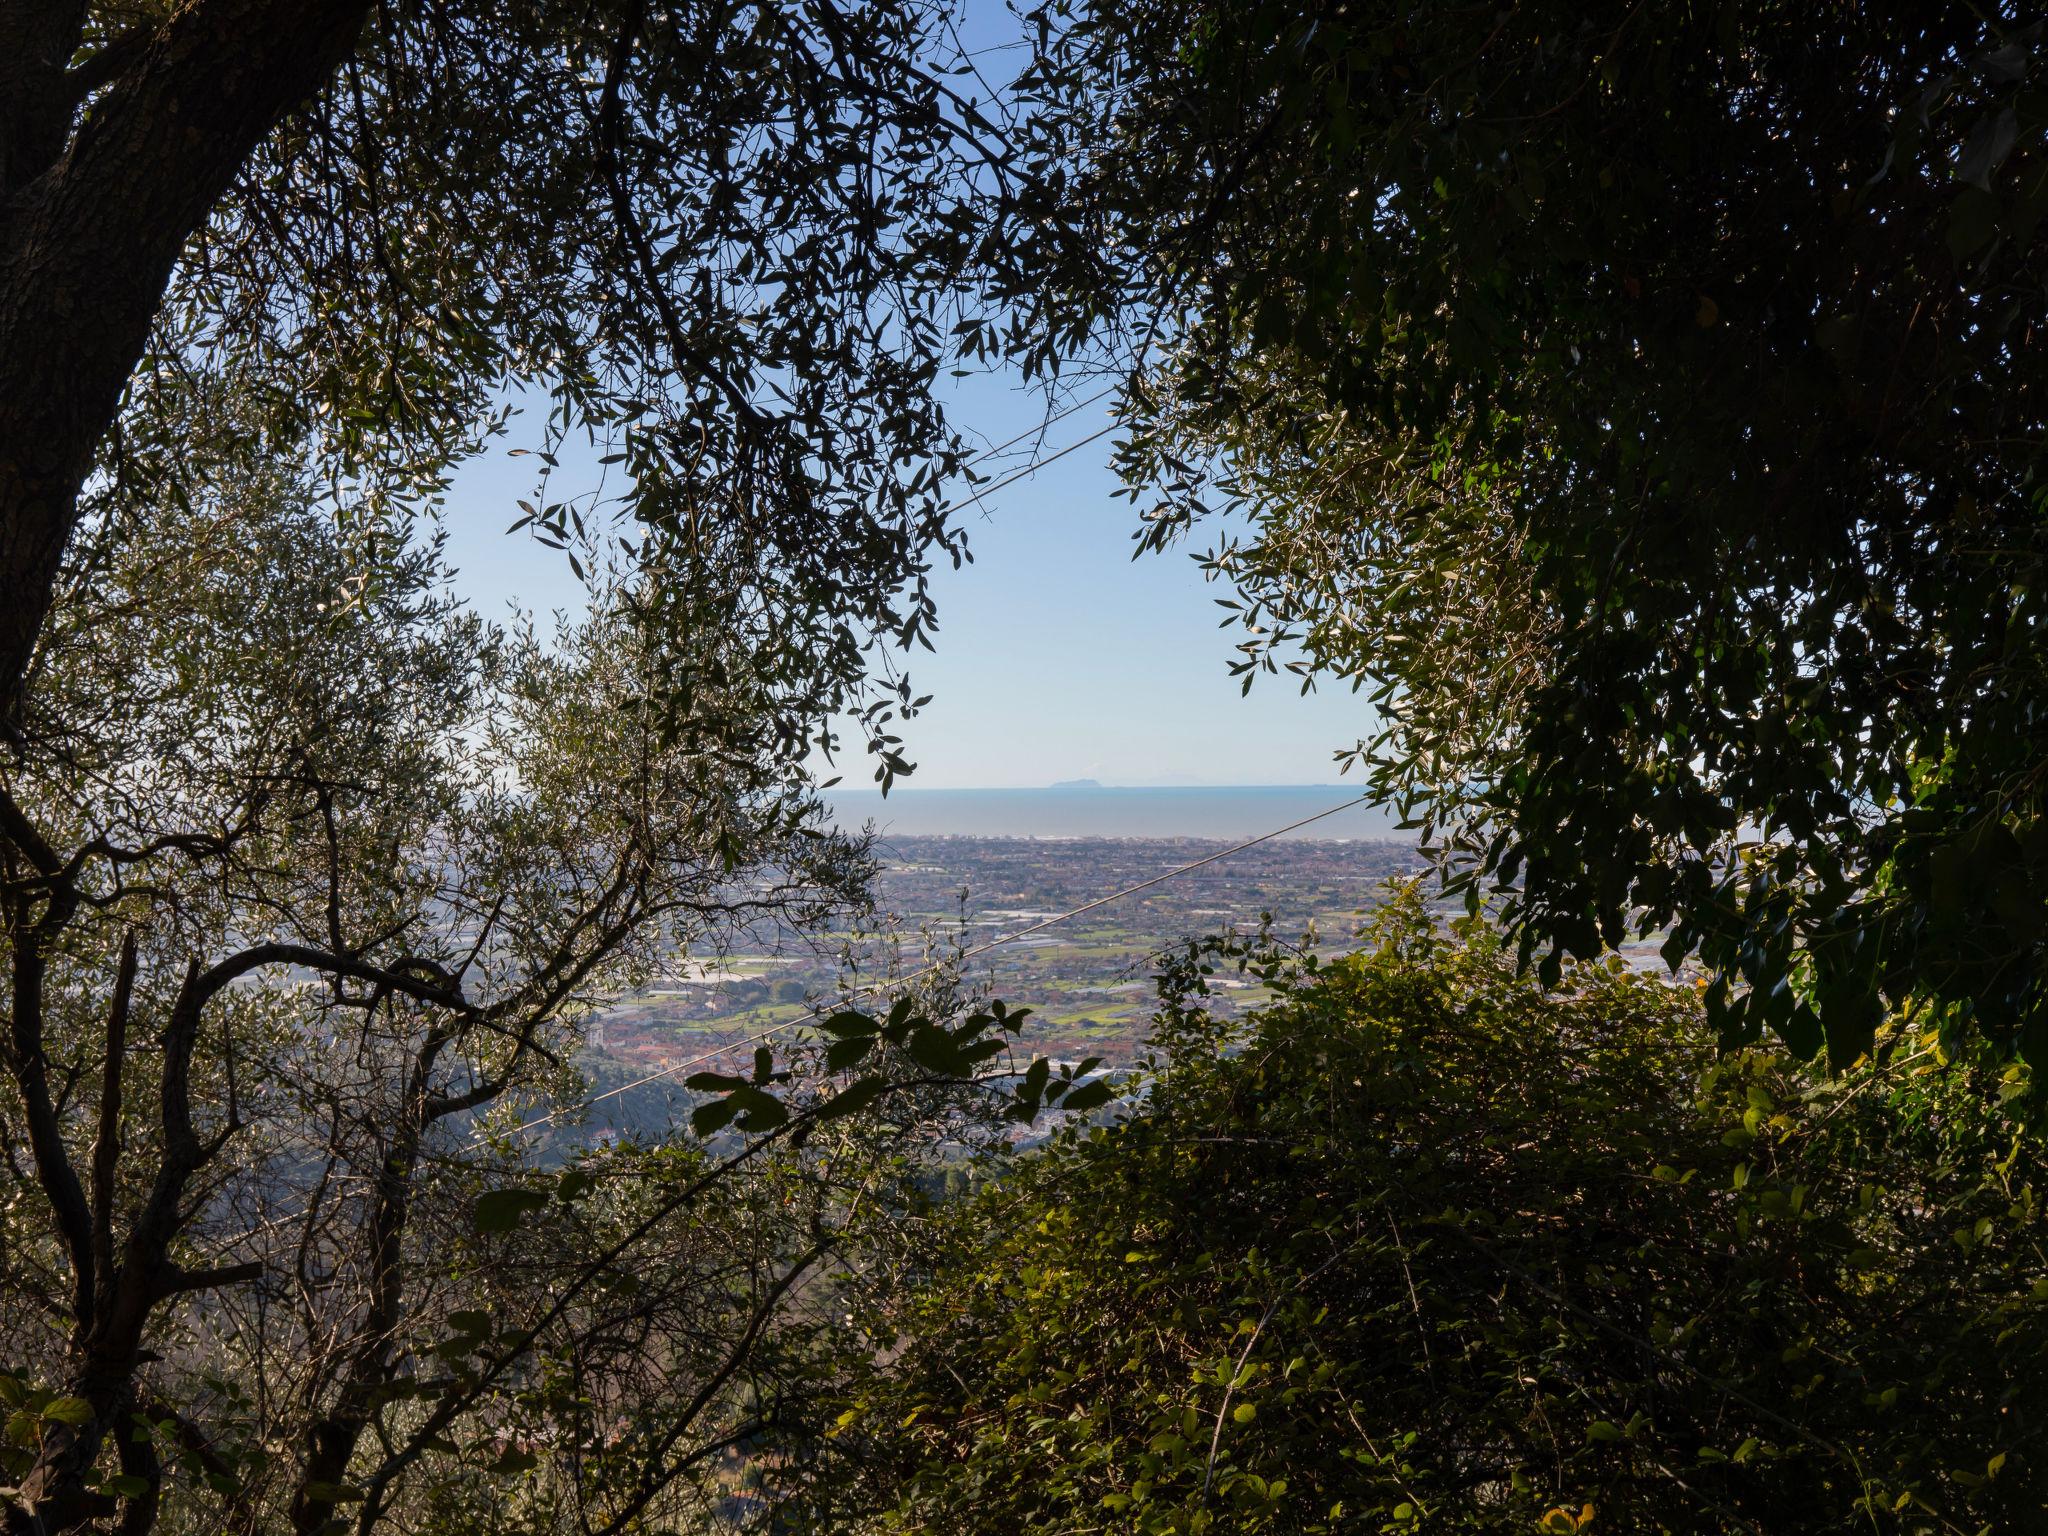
[{"x": 1436, "y": 1249}]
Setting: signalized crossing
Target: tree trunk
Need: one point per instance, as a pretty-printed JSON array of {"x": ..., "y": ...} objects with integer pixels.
[
  {"x": 330, "y": 1442},
  {"x": 107, "y": 169},
  {"x": 95, "y": 206}
]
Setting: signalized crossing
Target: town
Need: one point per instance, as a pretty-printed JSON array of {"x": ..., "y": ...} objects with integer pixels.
[{"x": 947, "y": 900}]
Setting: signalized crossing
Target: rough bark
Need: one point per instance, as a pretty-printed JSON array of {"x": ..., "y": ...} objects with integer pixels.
[
  {"x": 103, "y": 178},
  {"x": 57, "y": 1495},
  {"x": 108, "y": 166},
  {"x": 106, "y": 171}
]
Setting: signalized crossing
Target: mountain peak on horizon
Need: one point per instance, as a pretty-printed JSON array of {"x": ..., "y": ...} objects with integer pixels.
[{"x": 1077, "y": 784}]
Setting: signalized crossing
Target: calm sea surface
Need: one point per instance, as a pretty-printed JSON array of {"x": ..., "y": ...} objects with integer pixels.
[{"x": 1228, "y": 815}]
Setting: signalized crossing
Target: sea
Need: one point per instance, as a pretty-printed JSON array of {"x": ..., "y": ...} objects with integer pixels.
[{"x": 1229, "y": 814}]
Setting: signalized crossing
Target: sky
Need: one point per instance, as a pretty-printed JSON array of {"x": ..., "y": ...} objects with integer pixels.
[{"x": 1058, "y": 656}]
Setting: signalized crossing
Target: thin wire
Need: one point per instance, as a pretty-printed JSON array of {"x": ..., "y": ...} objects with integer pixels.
[
  {"x": 875, "y": 988},
  {"x": 1052, "y": 420},
  {"x": 1029, "y": 469},
  {"x": 996, "y": 485}
]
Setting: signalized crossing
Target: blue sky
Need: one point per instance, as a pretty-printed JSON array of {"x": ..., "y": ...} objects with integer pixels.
[{"x": 1058, "y": 656}]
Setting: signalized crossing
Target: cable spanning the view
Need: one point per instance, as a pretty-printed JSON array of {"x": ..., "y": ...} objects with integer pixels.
[
  {"x": 1025, "y": 470},
  {"x": 896, "y": 983},
  {"x": 1053, "y": 420}
]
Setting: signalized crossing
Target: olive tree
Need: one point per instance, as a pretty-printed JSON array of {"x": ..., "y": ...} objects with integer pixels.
[
  {"x": 731, "y": 241},
  {"x": 306, "y": 868}
]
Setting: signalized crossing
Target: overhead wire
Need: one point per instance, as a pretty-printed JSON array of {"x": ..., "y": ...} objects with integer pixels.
[
  {"x": 1029, "y": 469},
  {"x": 1052, "y": 420}
]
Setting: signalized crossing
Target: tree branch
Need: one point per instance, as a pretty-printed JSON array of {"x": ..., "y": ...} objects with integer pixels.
[
  {"x": 29, "y": 1063},
  {"x": 114, "y": 58},
  {"x": 402, "y": 976},
  {"x": 175, "y": 1281},
  {"x": 756, "y": 427},
  {"x": 36, "y": 41},
  {"x": 106, "y": 1147},
  {"x": 654, "y": 1477},
  {"x": 90, "y": 230},
  {"x": 445, "y": 1413}
]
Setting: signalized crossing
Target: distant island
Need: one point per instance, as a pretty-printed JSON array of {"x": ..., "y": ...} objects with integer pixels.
[{"x": 1078, "y": 784}]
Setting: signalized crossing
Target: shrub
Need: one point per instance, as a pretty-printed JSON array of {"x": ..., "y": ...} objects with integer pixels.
[{"x": 1434, "y": 1248}]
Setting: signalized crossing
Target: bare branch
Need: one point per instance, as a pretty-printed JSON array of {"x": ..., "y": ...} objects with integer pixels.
[
  {"x": 178, "y": 1282},
  {"x": 106, "y": 1148}
]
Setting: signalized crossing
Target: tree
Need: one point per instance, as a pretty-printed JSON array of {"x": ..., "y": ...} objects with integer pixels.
[
  {"x": 311, "y": 882},
  {"x": 1430, "y": 1247},
  {"x": 1644, "y": 406},
  {"x": 730, "y": 242},
  {"x": 305, "y": 869},
  {"x": 287, "y": 841}
]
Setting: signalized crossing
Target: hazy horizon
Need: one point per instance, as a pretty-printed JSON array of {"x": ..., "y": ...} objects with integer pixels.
[{"x": 1213, "y": 812}]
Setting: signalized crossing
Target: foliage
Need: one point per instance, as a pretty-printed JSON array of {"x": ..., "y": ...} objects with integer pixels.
[
  {"x": 1643, "y": 406},
  {"x": 304, "y": 870},
  {"x": 732, "y": 247},
  {"x": 312, "y": 881},
  {"x": 1438, "y": 1250}
]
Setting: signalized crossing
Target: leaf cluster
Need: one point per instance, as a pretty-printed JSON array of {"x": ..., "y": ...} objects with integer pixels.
[
  {"x": 304, "y": 871},
  {"x": 1643, "y": 408},
  {"x": 1435, "y": 1249},
  {"x": 728, "y": 251}
]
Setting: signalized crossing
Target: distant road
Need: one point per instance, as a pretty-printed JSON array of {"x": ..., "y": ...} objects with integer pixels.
[{"x": 1223, "y": 815}]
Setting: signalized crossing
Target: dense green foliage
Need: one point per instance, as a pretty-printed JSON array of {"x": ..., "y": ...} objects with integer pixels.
[
  {"x": 1644, "y": 405},
  {"x": 1436, "y": 1250}
]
